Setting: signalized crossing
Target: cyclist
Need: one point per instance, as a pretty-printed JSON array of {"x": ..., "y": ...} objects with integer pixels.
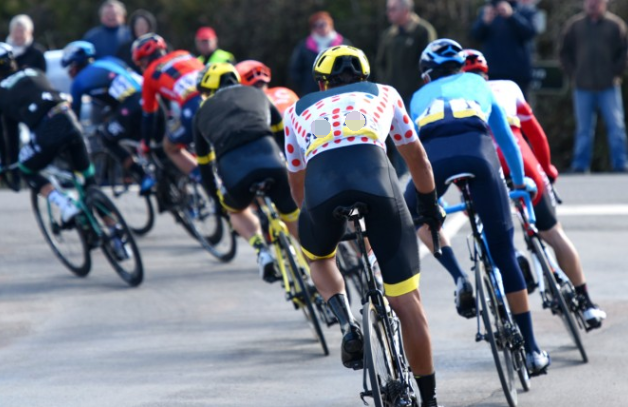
[
  {"x": 452, "y": 112},
  {"x": 28, "y": 97},
  {"x": 173, "y": 77},
  {"x": 112, "y": 82},
  {"x": 537, "y": 165},
  {"x": 255, "y": 73},
  {"x": 234, "y": 129},
  {"x": 347, "y": 164}
]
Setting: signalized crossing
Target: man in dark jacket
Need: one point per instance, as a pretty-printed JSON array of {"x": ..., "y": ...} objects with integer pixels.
[
  {"x": 506, "y": 30},
  {"x": 112, "y": 32},
  {"x": 594, "y": 53}
]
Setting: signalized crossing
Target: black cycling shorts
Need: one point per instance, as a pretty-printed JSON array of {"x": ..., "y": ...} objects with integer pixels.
[
  {"x": 125, "y": 121},
  {"x": 342, "y": 177},
  {"x": 254, "y": 162},
  {"x": 545, "y": 212}
]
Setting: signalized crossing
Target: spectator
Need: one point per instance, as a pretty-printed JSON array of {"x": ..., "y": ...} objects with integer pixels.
[
  {"x": 112, "y": 32},
  {"x": 400, "y": 48},
  {"x": 207, "y": 47},
  {"x": 593, "y": 53},
  {"x": 140, "y": 22},
  {"x": 27, "y": 53},
  {"x": 506, "y": 30},
  {"x": 322, "y": 35}
]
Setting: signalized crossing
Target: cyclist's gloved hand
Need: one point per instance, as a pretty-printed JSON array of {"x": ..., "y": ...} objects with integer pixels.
[
  {"x": 144, "y": 148},
  {"x": 428, "y": 207},
  {"x": 529, "y": 186},
  {"x": 552, "y": 174}
]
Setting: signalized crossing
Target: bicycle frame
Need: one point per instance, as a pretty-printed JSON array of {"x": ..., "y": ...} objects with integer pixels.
[
  {"x": 54, "y": 174},
  {"x": 276, "y": 228},
  {"x": 375, "y": 296}
]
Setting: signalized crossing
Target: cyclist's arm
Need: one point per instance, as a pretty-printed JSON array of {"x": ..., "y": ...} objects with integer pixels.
[
  {"x": 276, "y": 125},
  {"x": 77, "y": 93},
  {"x": 150, "y": 105},
  {"x": 205, "y": 158},
  {"x": 410, "y": 148},
  {"x": 295, "y": 160},
  {"x": 506, "y": 141},
  {"x": 536, "y": 136}
]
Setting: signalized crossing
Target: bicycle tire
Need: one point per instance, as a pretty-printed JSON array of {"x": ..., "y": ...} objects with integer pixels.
[
  {"x": 522, "y": 372},
  {"x": 349, "y": 266},
  {"x": 102, "y": 207},
  {"x": 501, "y": 355},
  {"x": 77, "y": 260},
  {"x": 303, "y": 291},
  {"x": 377, "y": 354},
  {"x": 558, "y": 305}
]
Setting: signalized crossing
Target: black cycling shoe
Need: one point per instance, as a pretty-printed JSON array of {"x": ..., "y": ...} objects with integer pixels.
[
  {"x": 465, "y": 301},
  {"x": 430, "y": 403},
  {"x": 352, "y": 349}
]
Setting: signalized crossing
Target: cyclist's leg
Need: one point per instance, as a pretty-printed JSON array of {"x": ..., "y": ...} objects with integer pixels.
[
  {"x": 492, "y": 204},
  {"x": 551, "y": 231},
  {"x": 48, "y": 140}
]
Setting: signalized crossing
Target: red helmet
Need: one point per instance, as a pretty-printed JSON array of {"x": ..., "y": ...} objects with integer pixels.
[
  {"x": 252, "y": 72},
  {"x": 473, "y": 61},
  {"x": 148, "y": 45}
]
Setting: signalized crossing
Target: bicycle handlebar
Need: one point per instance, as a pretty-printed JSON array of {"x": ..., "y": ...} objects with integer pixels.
[{"x": 525, "y": 195}]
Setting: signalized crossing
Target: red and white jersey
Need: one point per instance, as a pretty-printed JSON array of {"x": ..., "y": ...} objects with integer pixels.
[
  {"x": 380, "y": 106},
  {"x": 281, "y": 97},
  {"x": 520, "y": 115}
]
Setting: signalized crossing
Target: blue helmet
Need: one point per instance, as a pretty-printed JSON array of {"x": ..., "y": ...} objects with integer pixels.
[
  {"x": 77, "y": 52},
  {"x": 440, "y": 52}
]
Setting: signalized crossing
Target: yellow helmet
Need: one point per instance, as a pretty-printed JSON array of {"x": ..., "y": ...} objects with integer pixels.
[
  {"x": 215, "y": 76},
  {"x": 334, "y": 61}
]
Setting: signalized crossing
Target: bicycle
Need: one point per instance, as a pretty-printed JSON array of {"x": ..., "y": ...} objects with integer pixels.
[
  {"x": 556, "y": 290},
  {"x": 198, "y": 212},
  {"x": 295, "y": 272},
  {"x": 384, "y": 362},
  {"x": 492, "y": 309},
  {"x": 188, "y": 202},
  {"x": 98, "y": 224},
  {"x": 110, "y": 174}
]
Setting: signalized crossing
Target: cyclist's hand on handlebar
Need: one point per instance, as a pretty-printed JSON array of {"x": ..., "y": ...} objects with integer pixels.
[{"x": 429, "y": 209}]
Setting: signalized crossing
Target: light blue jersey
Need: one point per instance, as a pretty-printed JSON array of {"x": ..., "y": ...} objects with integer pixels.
[{"x": 463, "y": 103}]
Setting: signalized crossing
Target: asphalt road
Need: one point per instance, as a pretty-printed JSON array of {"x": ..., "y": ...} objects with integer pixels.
[{"x": 202, "y": 333}]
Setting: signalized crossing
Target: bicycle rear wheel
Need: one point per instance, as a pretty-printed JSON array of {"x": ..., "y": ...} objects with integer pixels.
[
  {"x": 387, "y": 384},
  {"x": 119, "y": 245},
  {"x": 302, "y": 291},
  {"x": 67, "y": 242},
  {"x": 555, "y": 296},
  {"x": 489, "y": 310}
]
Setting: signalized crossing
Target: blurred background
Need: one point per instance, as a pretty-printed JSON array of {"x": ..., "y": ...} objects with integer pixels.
[{"x": 268, "y": 30}]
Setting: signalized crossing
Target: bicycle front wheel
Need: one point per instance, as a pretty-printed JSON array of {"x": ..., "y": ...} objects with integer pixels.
[
  {"x": 302, "y": 291},
  {"x": 495, "y": 331},
  {"x": 556, "y": 299},
  {"x": 119, "y": 245},
  {"x": 67, "y": 242}
]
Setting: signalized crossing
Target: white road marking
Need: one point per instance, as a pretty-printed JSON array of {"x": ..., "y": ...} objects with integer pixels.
[{"x": 592, "y": 210}]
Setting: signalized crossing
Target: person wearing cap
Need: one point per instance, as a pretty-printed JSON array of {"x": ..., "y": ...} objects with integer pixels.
[
  {"x": 207, "y": 47},
  {"x": 322, "y": 36}
]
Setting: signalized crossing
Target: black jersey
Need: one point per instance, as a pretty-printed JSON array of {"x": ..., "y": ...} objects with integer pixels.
[
  {"x": 26, "y": 96},
  {"x": 234, "y": 116}
]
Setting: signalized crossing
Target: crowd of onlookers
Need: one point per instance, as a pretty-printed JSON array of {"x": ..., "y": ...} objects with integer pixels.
[{"x": 593, "y": 53}]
